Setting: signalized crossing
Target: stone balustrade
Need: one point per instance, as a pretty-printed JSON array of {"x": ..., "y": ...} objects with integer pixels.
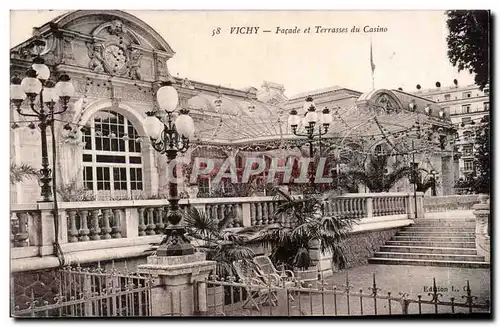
[
  {"x": 118, "y": 229},
  {"x": 449, "y": 202},
  {"x": 367, "y": 205}
]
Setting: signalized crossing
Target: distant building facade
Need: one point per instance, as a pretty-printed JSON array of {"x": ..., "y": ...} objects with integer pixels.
[{"x": 466, "y": 105}]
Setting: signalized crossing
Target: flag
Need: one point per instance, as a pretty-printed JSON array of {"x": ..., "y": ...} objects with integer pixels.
[{"x": 371, "y": 57}]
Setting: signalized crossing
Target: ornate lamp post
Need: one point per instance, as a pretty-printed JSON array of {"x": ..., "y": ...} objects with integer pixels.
[
  {"x": 42, "y": 95},
  {"x": 170, "y": 137},
  {"x": 309, "y": 121},
  {"x": 433, "y": 187}
]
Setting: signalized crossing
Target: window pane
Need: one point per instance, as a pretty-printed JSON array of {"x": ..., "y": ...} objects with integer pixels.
[
  {"x": 100, "y": 186},
  {"x": 99, "y": 174},
  {"x": 116, "y": 185},
  {"x": 132, "y": 174},
  {"x": 123, "y": 185},
  {"x": 133, "y": 185},
  {"x": 106, "y": 173},
  {"x": 107, "y": 185},
  {"x": 139, "y": 174},
  {"x": 110, "y": 159},
  {"x": 135, "y": 160},
  {"x": 106, "y": 144},
  {"x": 114, "y": 144},
  {"x": 88, "y": 173},
  {"x": 121, "y": 145},
  {"x": 98, "y": 143},
  {"x": 139, "y": 186},
  {"x": 87, "y": 158}
]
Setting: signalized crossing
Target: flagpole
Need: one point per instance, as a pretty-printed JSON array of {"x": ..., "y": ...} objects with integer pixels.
[{"x": 372, "y": 64}]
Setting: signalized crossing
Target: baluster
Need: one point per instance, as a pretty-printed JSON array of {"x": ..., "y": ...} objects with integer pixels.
[
  {"x": 117, "y": 227},
  {"x": 13, "y": 229},
  {"x": 73, "y": 232},
  {"x": 22, "y": 235},
  {"x": 265, "y": 219},
  {"x": 352, "y": 208},
  {"x": 393, "y": 206},
  {"x": 150, "y": 229},
  {"x": 387, "y": 206},
  {"x": 94, "y": 225},
  {"x": 105, "y": 229},
  {"x": 160, "y": 225},
  {"x": 270, "y": 211},
  {"x": 253, "y": 215},
  {"x": 344, "y": 209},
  {"x": 238, "y": 215},
  {"x": 259, "y": 213},
  {"x": 233, "y": 212},
  {"x": 364, "y": 212},
  {"x": 357, "y": 210},
  {"x": 142, "y": 226},
  {"x": 84, "y": 230}
]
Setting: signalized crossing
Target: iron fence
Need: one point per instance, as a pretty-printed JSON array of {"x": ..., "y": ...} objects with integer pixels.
[
  {"x": 87, "y": 292},
  {"x": 322, "y": 298}
]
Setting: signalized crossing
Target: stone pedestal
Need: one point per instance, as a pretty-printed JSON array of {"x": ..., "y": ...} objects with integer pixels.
[
  {"x": 177, "y": 291},
  {"x": 482, "y": 213}
]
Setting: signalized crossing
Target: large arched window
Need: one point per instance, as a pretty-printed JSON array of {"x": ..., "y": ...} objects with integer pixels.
[{"x": 112, "y": 161}]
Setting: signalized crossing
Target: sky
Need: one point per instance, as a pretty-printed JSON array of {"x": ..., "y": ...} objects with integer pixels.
[{"x": 411, "y": 51}]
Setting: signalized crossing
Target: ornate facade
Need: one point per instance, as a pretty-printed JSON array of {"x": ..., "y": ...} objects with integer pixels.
[{"x": 117, "y": 62}]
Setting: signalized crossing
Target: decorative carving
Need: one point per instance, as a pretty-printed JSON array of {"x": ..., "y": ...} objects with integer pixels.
[
  {"x": 116, "y": 28},
  {"x": 134, "y": 64},
  {"x": 162, "y": 67},
  {"x": 67, "y": 47},
  {"x": 187, "y": 84},
  {"x": 95, "y": 51},
  {"x": 387, "y": 104}
]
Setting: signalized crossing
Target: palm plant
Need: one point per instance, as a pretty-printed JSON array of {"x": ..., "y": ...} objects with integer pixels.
[
  {"x": 18, "y": 173},
  {"x": 291, "y": 243},
  {"x": 220, "y": 244},
  {"x": 374, "y": 176}
]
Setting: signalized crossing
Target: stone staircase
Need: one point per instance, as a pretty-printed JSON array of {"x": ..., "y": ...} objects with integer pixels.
[{"x": 445, "y": 242}]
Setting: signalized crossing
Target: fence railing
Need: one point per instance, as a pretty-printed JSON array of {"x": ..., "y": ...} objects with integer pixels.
[
  {"x": 235, "y": 298},
  {"x": 449, "y": 202},
  {"x": 87, "y": 292}
]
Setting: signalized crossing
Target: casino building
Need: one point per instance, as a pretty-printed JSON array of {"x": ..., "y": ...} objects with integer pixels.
[{"x": 117, "y": 62}]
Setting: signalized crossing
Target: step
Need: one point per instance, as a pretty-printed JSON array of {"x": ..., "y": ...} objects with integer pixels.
[
  {"x": 446, "y": 224},
  {"x": 434, "y": 244},
  {"x": 420, "y": 262},
  {"x": 433, "y": 239},
  {"x": 435, "y": 234},
  {"x": 428, "y": 256},
  {"x": 427, "y": 249},
  {"x": 440, "y": 229}
]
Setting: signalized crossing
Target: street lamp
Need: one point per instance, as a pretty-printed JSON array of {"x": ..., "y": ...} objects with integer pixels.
[
  {"x": 433, "y": 187},
  {"x": 309, "y": 121},
  {"x": 42, "y": 95},
  {"x": 169, "y": 136}
]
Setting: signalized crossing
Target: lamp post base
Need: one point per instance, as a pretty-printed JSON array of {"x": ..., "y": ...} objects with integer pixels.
[{"x": 174, "y": 243}]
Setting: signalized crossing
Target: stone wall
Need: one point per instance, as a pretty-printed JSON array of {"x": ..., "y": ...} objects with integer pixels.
[{"x": 360, "y": 247}]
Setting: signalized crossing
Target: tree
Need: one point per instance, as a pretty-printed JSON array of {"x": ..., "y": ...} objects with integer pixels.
[
  {"x": 468, "y": 42},
  {"x": 482, "y": 158},
  {"x": 290, "y": 243},
  {"x": 375, "y": 177},
  {"x": 18, "y": 173}
]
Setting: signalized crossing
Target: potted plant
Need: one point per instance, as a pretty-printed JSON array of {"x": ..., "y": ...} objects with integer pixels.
[{"x": 291, "y": 243}]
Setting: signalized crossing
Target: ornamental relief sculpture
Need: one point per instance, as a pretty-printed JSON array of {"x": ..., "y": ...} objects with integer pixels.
[{"x": 116, "y": 55}]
